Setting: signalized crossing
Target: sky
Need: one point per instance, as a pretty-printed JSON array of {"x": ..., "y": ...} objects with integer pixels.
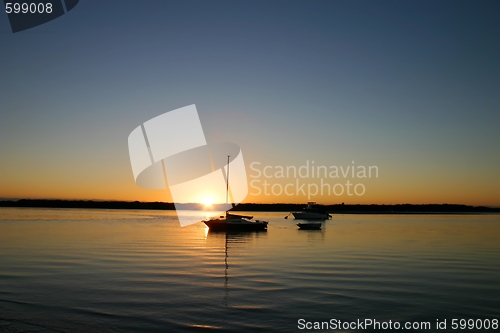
[{"x": 410, "y": 87}]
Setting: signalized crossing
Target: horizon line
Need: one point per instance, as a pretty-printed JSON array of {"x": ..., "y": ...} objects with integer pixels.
[{"x": 243, "y": 203}]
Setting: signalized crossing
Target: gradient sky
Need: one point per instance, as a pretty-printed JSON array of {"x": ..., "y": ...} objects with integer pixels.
[{"x": 412, "y": 87}]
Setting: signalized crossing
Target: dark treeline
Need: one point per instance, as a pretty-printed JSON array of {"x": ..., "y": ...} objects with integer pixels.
[
  {"x": 41, "y": 203},
  {"x": 279, "y": 207},
  {"x": 373, "y": 209}
]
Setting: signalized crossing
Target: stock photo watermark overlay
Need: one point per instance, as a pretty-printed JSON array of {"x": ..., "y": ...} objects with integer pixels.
[
  {"x": 171, "y": 151},
  {"x": 27, "y": 14},
  {"x": 310, "y": 180}
]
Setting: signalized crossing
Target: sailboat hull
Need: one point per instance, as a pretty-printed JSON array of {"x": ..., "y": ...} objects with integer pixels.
[{"x": 224, "y": 225}]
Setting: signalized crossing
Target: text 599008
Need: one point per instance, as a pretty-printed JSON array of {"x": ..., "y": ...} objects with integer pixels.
[
  {"x": 464, "y": 324},
  {"x": 38, "y": 8}
]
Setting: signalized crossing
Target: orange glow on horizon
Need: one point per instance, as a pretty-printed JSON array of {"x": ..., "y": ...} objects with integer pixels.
[{"x": 388, "y": 189}]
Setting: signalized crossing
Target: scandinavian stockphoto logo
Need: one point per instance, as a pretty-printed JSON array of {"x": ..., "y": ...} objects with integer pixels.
[
  {"x": 171, "y": 151},
  {"x": 26, "y": 14}
]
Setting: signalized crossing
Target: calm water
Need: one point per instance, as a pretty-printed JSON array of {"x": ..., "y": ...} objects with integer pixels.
[{"x": 138, "y": 271}]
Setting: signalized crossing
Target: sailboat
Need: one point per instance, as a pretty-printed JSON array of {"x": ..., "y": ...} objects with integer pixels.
[{"x": 233, "y": 222}]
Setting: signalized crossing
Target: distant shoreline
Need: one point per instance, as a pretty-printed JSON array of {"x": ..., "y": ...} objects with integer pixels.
[{"x": 279, "y": 207}]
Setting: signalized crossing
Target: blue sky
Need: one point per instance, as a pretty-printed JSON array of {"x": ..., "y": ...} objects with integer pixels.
[{"x": 412, "y": 87}]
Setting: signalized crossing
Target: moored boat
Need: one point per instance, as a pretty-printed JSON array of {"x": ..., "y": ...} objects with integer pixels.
[
  {"x": 312, "y": 212},
  {"x": 309, "y": 226},
  {"x": 231, "y": 222}
]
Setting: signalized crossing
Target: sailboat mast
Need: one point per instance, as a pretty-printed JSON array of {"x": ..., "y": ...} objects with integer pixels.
[{"x": 227, "y": 180}]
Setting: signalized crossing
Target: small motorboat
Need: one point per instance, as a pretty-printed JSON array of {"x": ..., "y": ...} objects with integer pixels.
[
  {"x": 312, "y": 212},
  {"x": 309, "y": 226}
]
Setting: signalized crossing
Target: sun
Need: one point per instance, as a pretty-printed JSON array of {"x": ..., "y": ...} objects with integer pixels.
[{"x": 207, "y": 202}]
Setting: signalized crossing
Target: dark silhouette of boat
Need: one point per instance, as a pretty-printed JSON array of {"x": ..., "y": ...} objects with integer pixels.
[
  {"x": 312, "y": 212},
  {"x": 233, "y": 222},
  {"x": 309, "y": 226}
]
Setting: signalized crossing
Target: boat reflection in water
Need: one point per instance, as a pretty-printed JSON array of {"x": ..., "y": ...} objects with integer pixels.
[{"x": 234, "y": 240}]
